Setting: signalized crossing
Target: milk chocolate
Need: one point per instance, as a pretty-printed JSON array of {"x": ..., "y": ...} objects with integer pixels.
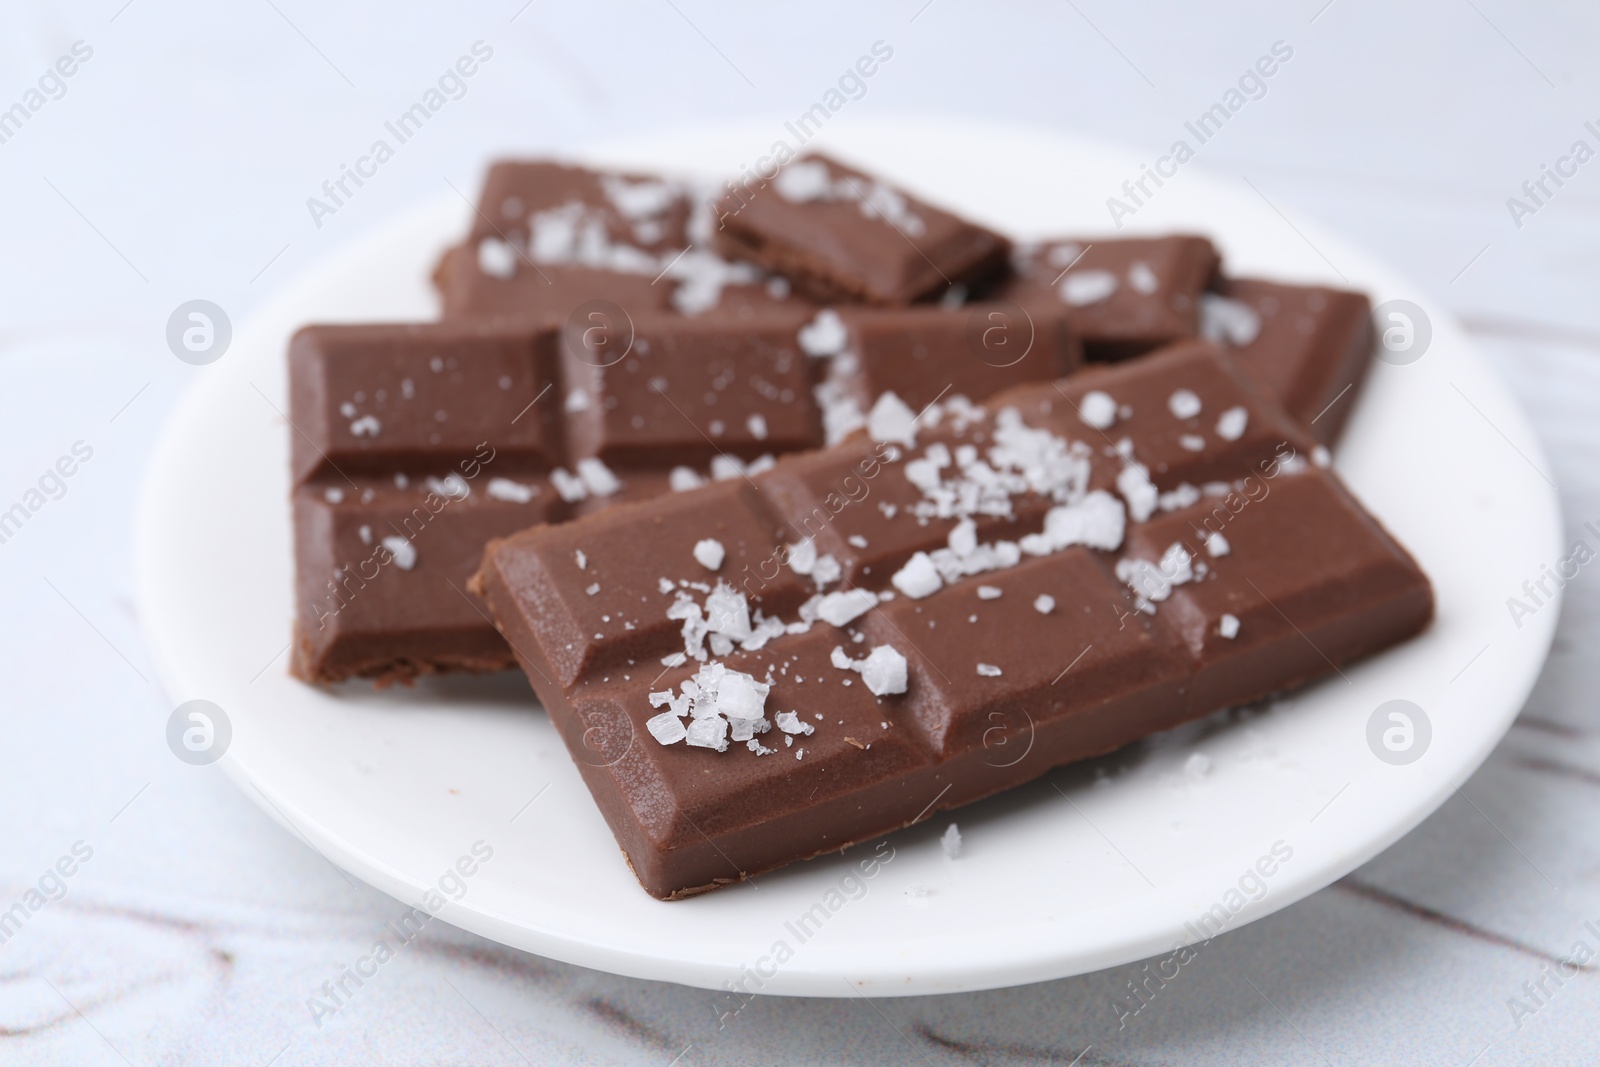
[
  {"x": 844, "y": 236},
  {"x": 924, "y": 621}
]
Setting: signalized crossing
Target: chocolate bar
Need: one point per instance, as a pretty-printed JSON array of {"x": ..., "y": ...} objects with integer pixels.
[
  {"x": 1309, "y": 345},
  {"x": 771, "y": 668},
  {"x": 548, "y": 238},
  {"x": 414, "y": 445},
  {"x": 1123, "y": 296},
  {"x": 843, "y": 236}
]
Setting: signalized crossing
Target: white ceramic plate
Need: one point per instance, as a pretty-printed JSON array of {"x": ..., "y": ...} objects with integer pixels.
[{"x": 1118, "y": 863}]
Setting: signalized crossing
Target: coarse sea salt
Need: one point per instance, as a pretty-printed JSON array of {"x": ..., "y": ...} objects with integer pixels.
[
  {"x": 845, "y": 607},
  {"x": 1143, "y": 278},
  {"x": 1183, "y": 403},
  {"x": 510, "y": 491},
  {"x": 883, "y": 670},
  {"x": 1231, "y": 423},
  {"x": 1044, "y": 603},
  {"x": 824, "y": 335},
  {"x": 403, "y": 551},
  {"x": 1230, "y": 321},
  {"x": 1098, "y": 410},
  {"x": 709, "y": 553},
  {"x": 1083, "y": 287}
]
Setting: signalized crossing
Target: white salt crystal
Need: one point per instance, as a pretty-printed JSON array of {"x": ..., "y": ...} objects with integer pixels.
[
  {"x": 1133, "y": 482},
  {"x": 988, "y": 670},
  {"x": 1082, "y": 287},
  {"x": 708, "y": 732},
  {"x": 1228, "y": 626},
  {"x": 333, "y": 494},
  {"x": 1217, "y": 545},
  {"x": 598, "y": 477},
  {"x": 497, "y": 258},
  {"x": 1193, "y": 442},
  {"x": 1230, "y": 321},
  {"x": 1097, "y": 409},
  {"x": 804, "y": 181},
  {"x": 1183, "y": 403},
  {"x": 989, "y": 592},
  {"x": 842, "y": 608},
  {"x": 824, "y": 335},
  {"x": 790, "y": 723},
  {"x": 666, "y": 728},
  {"x": 803, "y": 556},
  {"x": 1142, "y": 278},
  {"x": 510, "y": 491},
  {"x": 918, "y": 578},
  {"x": 366, "y": 426},
  {"x": 1044, "y": 603},
  {"x": 884, "y": 671},
  {"x": 709, "y": 553},
  {"x": 571, "y": 487},
  {"x": 682, "y": 479},
  {"x": 404, "y": 552},
  {"x": 757, "y": 427},
  {"x": 891, "y": 420},
  {"x": 1231, "y": 424}
]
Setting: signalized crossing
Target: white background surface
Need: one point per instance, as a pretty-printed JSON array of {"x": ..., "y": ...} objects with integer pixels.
[{"x": 177, "y": 165}]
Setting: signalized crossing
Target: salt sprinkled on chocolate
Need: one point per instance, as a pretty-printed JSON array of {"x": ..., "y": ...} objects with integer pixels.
[
  {"x": 843, "y": 608},
  {"x": 918, "y": 578},
  {"x": 824, "y": 335},
  {"x": 891, "y": 420},
  {"x": 1142, "y": 278},
  {"x": 403, "y": 551},
  {"x": 510, "y": 491},
  {"x": 1183, "y": 403},
  {"x": 1230, "y": 321},
  {"x": 804, "y": 181},
  {"x": 598, "y": 477},
  {"x": 366, "y": 426},
  {"x": 569, "y": 486},
  {"x": 497, "y": 258},
  {"x": 1083, "y": 287},
  {"x": 1228, "y": 626},
  {"x": 1231, "y": 424},
  {"x": 683, "y": 479},
  {"x": 709, "y": 553},
  {"x": 1044, "y": 603},
  {"x": 1097, "y": 409}
]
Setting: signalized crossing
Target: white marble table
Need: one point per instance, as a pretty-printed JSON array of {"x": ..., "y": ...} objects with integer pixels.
[{"x": 176, "y": 163}]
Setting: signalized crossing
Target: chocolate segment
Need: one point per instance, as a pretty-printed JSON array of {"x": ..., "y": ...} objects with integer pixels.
[
  {"x": 925, "y": 353},
  {"x": 881, "y": 630},
  {"x": 1309, "y": 345},
  {"x": 841, "y": 235},
  {"x": 1122, "y": 296},
  {"x": 547, "y": 239}
]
